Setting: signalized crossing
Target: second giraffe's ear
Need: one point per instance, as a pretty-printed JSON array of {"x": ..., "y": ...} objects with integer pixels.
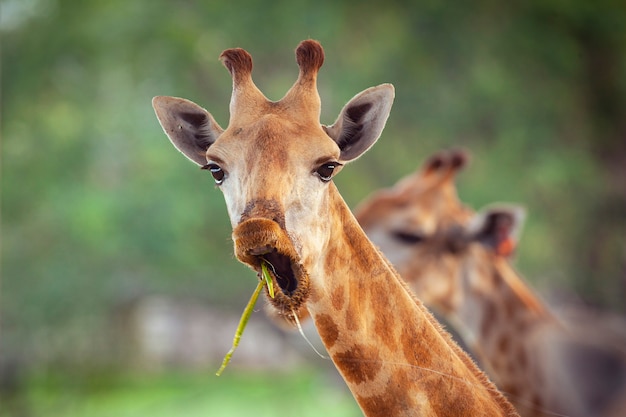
[
  {"x": 498, "y": 228},
  {"x": 361, "y": 121},
  {"x": 191, "y": 129}
]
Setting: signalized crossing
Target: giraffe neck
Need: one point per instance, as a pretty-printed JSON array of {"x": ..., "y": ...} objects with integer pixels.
[
  {"x": 503, "y": 317},
  {"x": 393, "y": 355}
]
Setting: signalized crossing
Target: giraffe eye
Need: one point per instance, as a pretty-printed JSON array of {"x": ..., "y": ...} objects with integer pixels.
[
  {"x": 408, "y": 237},
  {"x": 216, "y": 171},
  {"x": 325, "y": 171}
]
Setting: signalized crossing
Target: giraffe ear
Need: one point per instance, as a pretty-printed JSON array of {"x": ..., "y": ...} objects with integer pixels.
[
  {"x": 191, "y": 129},
  {"x": 498, "y": 228},
  {"x": 361, "y": 121}
]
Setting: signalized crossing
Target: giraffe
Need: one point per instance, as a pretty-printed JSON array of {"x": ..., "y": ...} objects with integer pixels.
[
  {"x": 275, "y": 164},
  {"x": 456, "y": 261}
]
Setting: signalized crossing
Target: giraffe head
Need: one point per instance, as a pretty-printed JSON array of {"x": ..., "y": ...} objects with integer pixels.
[
  {"x": 429, "y": 235},
  {"x": 275, "y": 163}
]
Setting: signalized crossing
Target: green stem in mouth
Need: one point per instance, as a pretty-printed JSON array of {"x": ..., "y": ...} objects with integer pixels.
[
  {"x": 267, "y": 277},
  {"x": 247, "y": 312}
]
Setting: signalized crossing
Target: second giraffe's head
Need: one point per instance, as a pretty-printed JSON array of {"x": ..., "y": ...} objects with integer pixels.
[
  {"x": 275, "y": 163},
  {"x": 431, "y": 237}
]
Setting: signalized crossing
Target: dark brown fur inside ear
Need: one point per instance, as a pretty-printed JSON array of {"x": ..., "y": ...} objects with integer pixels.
[
  {"x": 496, "y": 232},
  {"x": 190, "y": 128},
  {"x": 352, "y": 126},
  {"x": 202, "y": 135}
]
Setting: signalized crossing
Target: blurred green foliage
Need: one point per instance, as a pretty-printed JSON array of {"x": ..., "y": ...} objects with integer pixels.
[
  {"x": 97, "y": 206},
  {"x": 303, "y": 393}
]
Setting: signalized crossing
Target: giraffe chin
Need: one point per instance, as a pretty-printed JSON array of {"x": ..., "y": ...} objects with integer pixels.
[{"x": 259, "y": 240}]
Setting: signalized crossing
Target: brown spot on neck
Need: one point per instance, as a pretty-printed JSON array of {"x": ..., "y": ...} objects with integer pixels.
[
  {"x": 337, "y": 297},
  {"x": 384, "y": 324},
  {"x": 327, "y": 329},
  {"x": 508, "y": 304},
  {"x": 358, "y": 364},
  {"x": 379, "y": 405}
]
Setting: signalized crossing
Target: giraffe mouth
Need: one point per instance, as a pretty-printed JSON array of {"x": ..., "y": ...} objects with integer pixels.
[
  {"x": 281, "y": 270},
  {"x": 259, "y": 241}
]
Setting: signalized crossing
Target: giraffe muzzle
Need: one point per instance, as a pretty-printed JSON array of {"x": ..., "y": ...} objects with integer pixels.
[{"x": 260, "y": 240}]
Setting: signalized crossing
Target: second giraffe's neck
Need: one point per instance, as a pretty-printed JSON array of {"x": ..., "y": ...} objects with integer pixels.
[
  {"x": 393, "y": 355},
  {"x": 499, "y": 317}
]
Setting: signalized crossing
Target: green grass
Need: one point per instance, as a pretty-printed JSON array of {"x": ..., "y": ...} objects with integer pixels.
[{"x": 236, "y": 393}]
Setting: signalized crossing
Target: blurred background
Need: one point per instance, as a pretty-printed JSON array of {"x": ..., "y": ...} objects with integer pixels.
[{"x": 120, "y": 293}]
